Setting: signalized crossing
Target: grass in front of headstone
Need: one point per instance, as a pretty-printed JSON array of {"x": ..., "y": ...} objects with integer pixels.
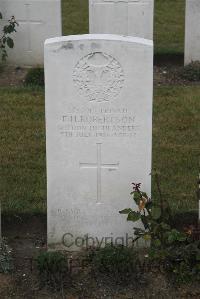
[
  {"x": 169, "y": 23},
  {"x": 176, "y": 144},
  {"x": 118, "y": 263},
  {"x": 23, "y": 169},
  {"x": 22, "y": 151},
  {"x": 53, "y": 269},
  {"x": 34, "y": 77}
]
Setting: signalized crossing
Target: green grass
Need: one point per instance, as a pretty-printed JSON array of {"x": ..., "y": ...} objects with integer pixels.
[
  {"x": 169, "y": 23},
  {"x": 176, "y": 148},
  {"x": 75, "y": 17},
  {"x": 169, "y": 29},
  {"x": 22, "y": 152}
]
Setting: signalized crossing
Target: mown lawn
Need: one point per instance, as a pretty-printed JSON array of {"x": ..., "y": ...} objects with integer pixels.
[
  {"x": 22, "y": 152},
  {"x": 169, "y": 23},
  {"x": 176, "y": 147},
  {"x": 169, "y": 28}
]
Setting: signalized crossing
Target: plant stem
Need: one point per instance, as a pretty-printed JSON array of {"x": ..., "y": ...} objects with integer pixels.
[{"x": 160, "y": 193}]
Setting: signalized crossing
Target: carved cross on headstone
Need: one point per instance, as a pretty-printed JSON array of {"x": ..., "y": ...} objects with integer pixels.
[
  {"x": 28, "y": 23},
  {"x": 99, "y": 166}
]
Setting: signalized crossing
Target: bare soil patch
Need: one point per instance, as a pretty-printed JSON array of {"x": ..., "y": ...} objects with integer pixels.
[
  {"x": 12, "y": 76},
  {"x": 163, "y": 75},
  {"x": 5, "y": 285},
  {"x": 170, "y": 75},
  {"x": 26, "y": 235}
]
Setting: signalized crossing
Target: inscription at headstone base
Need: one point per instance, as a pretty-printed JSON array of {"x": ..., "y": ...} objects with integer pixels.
[{"x": 99, "y": 135}]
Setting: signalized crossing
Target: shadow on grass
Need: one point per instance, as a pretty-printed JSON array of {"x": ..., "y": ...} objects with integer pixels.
[{"x": 165, "y": 59}]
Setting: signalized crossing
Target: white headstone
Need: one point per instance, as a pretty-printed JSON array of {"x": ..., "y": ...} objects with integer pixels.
[
  {"x": 38, "y": 20},
  {"x": 192, "y": 31},
  {"x": 99, "y": 134},
  {"x": 125, "y": 17}
]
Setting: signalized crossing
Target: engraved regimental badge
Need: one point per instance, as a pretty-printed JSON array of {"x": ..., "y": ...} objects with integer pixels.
[{"x": 98, "y": 77}]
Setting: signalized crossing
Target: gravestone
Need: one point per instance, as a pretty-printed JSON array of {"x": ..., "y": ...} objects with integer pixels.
[
  {"x": 38, "y": 20},
  {"x": 99, "y": 135},
  {"x": 192, "y": 31},
  {"x": 125, "y": 17}
]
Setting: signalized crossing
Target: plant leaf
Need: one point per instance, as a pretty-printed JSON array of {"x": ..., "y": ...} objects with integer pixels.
[
  {"x": 10, "y": 42},
  {"x": 136, "y": 197},
  {"x": 133, "y": 216},
  {"x": 144, "y": 195},
  {"x": 125, "y": 211}
]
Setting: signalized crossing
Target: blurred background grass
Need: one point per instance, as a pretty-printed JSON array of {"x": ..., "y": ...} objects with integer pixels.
[{"x": 168, "y": 29}]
